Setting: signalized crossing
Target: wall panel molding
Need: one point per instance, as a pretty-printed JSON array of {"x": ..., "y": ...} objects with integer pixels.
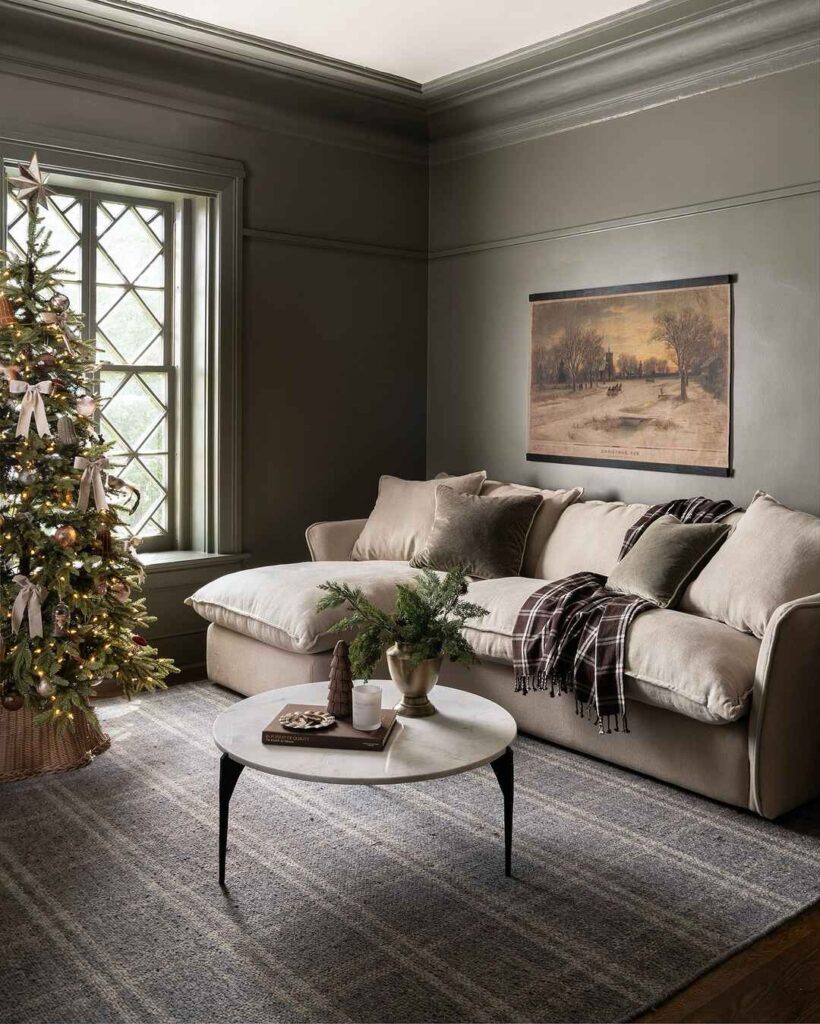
[{"x": 631, "y": 221}]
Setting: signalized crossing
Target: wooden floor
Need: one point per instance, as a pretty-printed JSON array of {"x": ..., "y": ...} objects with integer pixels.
[{"x": 775, "y": 979}]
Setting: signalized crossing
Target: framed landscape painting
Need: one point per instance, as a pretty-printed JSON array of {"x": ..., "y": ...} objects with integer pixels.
[{"x": 638, "y": 376}]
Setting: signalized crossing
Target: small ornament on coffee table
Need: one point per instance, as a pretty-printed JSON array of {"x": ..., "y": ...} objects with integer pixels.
[{"x": 340, "y": 692}]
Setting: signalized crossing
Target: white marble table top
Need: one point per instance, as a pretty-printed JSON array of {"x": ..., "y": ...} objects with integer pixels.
[{"x": 467, "y": 732}]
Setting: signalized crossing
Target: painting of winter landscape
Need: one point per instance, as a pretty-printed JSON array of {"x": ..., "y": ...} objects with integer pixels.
[{"x": 638, "y": 375}]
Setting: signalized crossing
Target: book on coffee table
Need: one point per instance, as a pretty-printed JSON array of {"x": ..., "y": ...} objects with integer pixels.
[{"x": 339, "y": 736}]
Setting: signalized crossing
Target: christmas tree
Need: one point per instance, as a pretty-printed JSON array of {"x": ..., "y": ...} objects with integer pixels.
[{"x": 69, "y": 576}]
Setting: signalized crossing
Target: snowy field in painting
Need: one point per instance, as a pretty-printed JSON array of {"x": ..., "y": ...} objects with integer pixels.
[{"x": 645, "y": 422}]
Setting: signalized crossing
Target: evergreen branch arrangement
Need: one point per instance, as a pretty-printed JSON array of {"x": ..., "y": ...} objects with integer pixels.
[
  {"x": 428, "y": 620},
  {"x": 69, "y": 577}
]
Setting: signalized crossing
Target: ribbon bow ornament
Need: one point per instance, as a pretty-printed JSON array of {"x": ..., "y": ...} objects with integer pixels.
[
  {"x": 92, "y": 478},
  {"x": 30, "y": 599},
  {"x": 32, "y": 405}
]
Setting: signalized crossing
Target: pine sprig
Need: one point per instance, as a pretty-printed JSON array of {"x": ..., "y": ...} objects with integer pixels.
[{"x": 427, "y": 622}]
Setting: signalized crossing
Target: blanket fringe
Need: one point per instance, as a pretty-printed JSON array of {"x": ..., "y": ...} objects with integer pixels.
[{"x": 565, "y": 684}]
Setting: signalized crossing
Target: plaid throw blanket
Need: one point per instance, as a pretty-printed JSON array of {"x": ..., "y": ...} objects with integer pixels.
[{"x": 571, "y": 634}]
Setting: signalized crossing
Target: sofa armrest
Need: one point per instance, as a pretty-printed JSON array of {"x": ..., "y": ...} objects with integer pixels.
[
  {"x": 333, "y": 542},
  {"x": 784, "y": 726}
]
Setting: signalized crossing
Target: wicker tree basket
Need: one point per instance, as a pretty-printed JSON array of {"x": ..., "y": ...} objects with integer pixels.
[{"x": 27, "y": 749}]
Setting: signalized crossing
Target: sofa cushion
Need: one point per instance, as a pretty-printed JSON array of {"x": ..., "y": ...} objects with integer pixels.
[
  {"x": 546, "y": 517},
  {"x": 400, "y": 522},
  {"x": 771, "y": 557},
  {"x": 277, "y": 603},
  {"x": 588, "y": 538},
  {"x": 692, "y": 665},
  {"x": 485, "y": 536}
]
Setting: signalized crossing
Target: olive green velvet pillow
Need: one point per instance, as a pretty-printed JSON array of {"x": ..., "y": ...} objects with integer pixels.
[
  {"x": 487, "y": 536},
  {"x": 668, "y": 555}
]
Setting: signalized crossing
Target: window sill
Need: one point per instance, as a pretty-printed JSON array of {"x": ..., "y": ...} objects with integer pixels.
[{"x": 158, "y": 564}]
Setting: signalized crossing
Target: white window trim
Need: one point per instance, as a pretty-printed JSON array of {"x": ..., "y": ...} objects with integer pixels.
[{"x": 214, "y": 466}]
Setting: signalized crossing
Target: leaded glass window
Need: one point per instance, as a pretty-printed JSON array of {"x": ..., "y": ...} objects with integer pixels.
[
  {"x": 118, "y": 261},
  {"x": 132, "y": 324}
]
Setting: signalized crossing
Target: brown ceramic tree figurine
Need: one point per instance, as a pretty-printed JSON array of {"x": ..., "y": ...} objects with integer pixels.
[{"x": 340, "y": 693}]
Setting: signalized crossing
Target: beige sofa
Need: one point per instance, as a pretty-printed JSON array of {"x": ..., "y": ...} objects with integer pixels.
[{"x": 715, "y": 710}]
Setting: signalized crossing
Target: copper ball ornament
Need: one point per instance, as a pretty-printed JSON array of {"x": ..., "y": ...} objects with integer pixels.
[
  {"x": 12, "y": 701},
  {"x": 66, "y": 536},
  {"x": 59, "y": 302},
  {"x": 45, "y": 688}
]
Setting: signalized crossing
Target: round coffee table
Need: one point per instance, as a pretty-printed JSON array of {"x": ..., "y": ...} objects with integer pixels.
[{"x": 467, "y": 732}]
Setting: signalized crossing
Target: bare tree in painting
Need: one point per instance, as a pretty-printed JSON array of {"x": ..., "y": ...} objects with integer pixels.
[
  {"x": 688, "y": 336},
  {"x": 570, "y": 350},
  {"x": 593, "y": 356}
]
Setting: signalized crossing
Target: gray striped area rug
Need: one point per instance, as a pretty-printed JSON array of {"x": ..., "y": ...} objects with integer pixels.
[{"x": 368, "y": 903}]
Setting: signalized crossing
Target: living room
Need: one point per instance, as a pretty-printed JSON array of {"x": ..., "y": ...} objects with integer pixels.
[{"x": 409, "y": 496}]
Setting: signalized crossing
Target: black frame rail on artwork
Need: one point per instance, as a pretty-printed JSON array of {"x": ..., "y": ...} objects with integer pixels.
[{"x": 651, "y": 286}]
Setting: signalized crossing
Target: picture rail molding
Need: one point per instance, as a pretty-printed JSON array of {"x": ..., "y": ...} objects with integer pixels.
[{"x": 630, "y": 221}]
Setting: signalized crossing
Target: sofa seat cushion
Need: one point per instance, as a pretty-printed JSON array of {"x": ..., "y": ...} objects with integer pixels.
[
  {"x": 695, "y": 666},
  {"x": 277, "y": 603}
]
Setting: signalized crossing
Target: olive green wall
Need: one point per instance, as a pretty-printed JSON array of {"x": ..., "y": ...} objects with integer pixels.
[
  {"x": 725, "y": 182},
  {"x": 334, "y": 257}
]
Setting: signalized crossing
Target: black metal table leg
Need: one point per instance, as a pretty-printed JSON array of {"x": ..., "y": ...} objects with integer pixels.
[
  {"x": 229, "y": 772},
  {"x": 503, "y": 768}
]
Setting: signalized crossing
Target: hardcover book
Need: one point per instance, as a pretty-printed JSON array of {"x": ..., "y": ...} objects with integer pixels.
[{"x": 339, "y": 736}]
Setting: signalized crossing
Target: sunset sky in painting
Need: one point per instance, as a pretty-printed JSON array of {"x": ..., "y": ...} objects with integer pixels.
[{"x": 626, "y": 320}]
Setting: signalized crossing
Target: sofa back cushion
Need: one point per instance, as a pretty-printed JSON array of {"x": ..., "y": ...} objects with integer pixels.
[
  {"x": 771, "y": 557},
  {"x": 587, "y": 538},
  {"x": 398, "y": 527},
  {"x": 545, "y": 520}
]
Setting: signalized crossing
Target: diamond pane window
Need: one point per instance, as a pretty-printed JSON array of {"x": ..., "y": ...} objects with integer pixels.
[
  {"x": 121, "y": 263},
  {"x": 131, "y": 298}
]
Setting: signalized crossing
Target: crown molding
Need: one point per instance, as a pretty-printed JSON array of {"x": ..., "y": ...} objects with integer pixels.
[
  {"x": 654, "y": 54},
  {"x": 664, "y": 51},
  {"x": 129, "y": 19}
]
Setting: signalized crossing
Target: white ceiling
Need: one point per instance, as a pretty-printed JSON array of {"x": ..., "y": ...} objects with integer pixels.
[{"x": 419, "y": 40}]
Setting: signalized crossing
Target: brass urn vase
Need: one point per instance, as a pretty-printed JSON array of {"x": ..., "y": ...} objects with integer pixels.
[{"x": 414, "y": 681}]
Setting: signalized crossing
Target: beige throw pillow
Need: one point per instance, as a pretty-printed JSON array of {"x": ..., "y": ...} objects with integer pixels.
[
  {"x": 401, "y": 519},
  {"x": 772, "y": 556},
  {"x": 545, "y": 520}
]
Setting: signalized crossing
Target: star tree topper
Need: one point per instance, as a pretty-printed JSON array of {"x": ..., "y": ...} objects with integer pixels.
[{"x": 30, "y": 187}]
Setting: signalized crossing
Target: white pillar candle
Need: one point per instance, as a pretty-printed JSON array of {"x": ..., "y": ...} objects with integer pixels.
[{"x": 367, "y": 707}]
